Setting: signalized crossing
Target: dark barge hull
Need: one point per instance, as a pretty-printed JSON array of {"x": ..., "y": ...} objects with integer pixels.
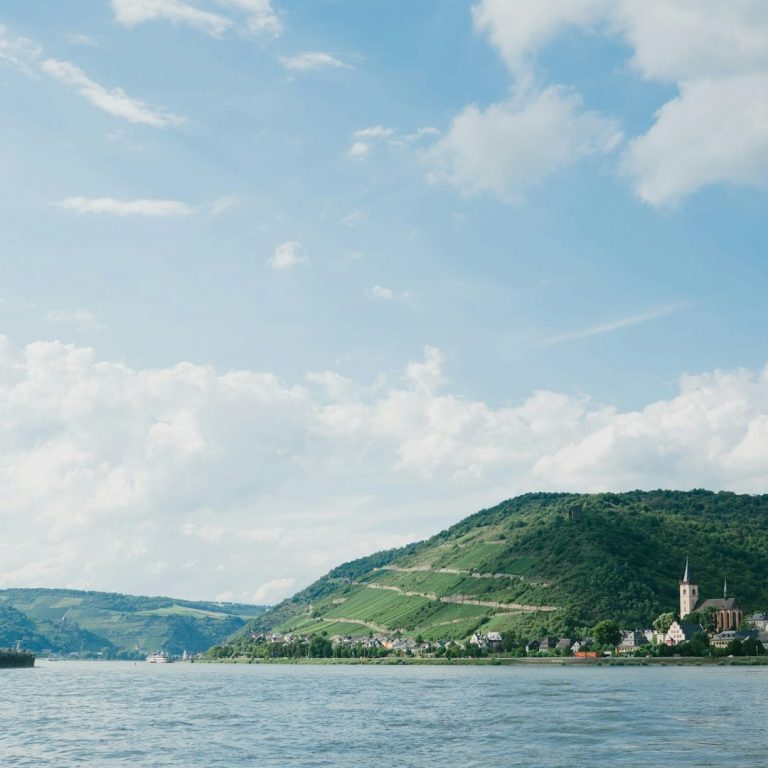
[{"x": 14, "y": 659}]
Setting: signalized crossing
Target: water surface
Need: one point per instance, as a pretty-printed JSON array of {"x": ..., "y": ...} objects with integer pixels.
[{"x": 119, "y": 714}]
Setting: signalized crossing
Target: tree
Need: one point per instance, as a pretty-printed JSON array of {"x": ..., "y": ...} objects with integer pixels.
[
  {"x": 320, "y": 647},
  {"x": 707, "y": 619},
  {"x": 700, "y": 644},
  {"x": 507, "y": 641},
  {"x": 752, "y": 647},
  {"x": 607, "y": 632},
  {"x": 663, "y": 622}
]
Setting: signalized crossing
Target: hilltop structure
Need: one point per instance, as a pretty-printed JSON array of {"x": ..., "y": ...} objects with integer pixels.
[{"x": 728, "y": 614}]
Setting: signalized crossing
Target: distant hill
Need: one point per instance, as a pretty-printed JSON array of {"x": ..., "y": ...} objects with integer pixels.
[
  {"x": 66, "y": 621},
  {"x": 546, "y": 562}
]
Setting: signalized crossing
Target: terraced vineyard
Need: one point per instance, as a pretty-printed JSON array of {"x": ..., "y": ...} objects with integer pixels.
[{"x": 548, "y": 562}]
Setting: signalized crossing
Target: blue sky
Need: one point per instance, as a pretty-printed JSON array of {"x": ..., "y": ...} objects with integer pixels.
[{"x": 434, "y": 215}]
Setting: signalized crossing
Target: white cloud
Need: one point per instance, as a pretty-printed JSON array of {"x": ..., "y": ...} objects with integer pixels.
[
  {"x": 19, "y": 52},
  {"x": 518, "y": 29},
  {"x": 715, "y": 131},
  {"x": 677, "y": 41},
  {"x": 141, "y": 207},
  {"x": 287, "y": 256},
  {"x": 206, "y": 467},
  {"x": 420, "y": 134},
  {"x": 364, "y": 139},
  {"x": 115, "y": 101},
  {"x": 374, "y": 132},
  {"x": 25, "y": 56},
  {"x": 311, "y": 60},
  {"x": 222, "y": 204},
  {"x": 380, "y": 292},
  {"x": 359, "y": 149},
  {"x": 258, "y": 16},
  {"x": 77, "y": 38},
  {"x": 81, "y": 320},
  {"x": 336, "y": 387},
  {"x": 354, "y": 218},
  {"x": 129, "y": 13},
  {"x": 514, "y": 145}
]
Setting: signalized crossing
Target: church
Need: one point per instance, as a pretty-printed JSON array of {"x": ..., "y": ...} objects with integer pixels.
[{"x": 728, "y": 614}]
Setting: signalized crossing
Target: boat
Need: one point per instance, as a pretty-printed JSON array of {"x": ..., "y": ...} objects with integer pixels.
[
  {"x": 15, "y": 657},
  {"x": 159, "y": 657}
]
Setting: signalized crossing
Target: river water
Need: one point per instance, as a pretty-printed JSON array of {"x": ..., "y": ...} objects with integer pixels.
[{"x": 144, "y": 715}]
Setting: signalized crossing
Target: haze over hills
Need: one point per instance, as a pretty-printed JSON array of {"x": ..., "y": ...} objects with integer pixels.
[
  {"x": 547, "y": 562},
  {"x": 67, "y": 620}
]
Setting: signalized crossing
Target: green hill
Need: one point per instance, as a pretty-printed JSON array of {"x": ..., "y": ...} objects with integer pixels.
[
  {"x": 545, "y": 562},
  {"x": 66, "y": 621}
]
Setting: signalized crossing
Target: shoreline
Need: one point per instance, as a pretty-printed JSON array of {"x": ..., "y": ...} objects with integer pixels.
[{"x": 742, "y": 661}]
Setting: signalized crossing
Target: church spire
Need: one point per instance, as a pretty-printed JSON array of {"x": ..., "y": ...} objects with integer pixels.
[
  {"x": 725, "y": 589},
  {"x": 687, "y": 574}
]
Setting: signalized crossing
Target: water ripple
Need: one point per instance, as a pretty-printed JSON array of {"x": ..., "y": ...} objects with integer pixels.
[{"x": 120, "y": 714}]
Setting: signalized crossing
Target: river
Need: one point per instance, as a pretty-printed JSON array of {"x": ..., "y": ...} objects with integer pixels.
[{"x": 196, "y": 715}]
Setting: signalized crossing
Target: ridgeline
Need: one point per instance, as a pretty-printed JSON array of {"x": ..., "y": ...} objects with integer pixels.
[
  {"x": 112, "y": 625},
  {"x": 543, "y": 562}
]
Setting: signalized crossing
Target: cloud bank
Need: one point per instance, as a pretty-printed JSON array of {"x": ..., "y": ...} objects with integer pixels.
[{"x": 237, "y": 484}]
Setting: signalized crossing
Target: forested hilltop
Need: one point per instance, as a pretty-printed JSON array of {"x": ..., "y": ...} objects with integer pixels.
[
  {"x": 544, "y": 562},
  {"x": 114, "y": 625}
]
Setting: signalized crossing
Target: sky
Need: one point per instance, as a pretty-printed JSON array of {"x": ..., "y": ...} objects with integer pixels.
[{"x": 286, "y": 282}]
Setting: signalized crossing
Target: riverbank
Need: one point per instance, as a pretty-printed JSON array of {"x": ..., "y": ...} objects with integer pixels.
[{"x": 741, "y": 661}]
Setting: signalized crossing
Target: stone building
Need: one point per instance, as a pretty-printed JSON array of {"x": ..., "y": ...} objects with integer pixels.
[{"x": 728, "y": 614}]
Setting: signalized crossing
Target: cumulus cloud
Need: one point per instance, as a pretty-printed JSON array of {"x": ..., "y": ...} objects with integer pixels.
[
  {"x": 514, "y": 145},
  {"x": 287, "y": 256},
  {"x": 250, "y": 16},
  {"x": 141, "y": 207},
  {"x": 311, "y": 60},
  {"x": 519, "y": 29},
  {"x": 715, "y": 131},
  {"x": 240, "y": 483},
  {"x": 716, "y": 54}
]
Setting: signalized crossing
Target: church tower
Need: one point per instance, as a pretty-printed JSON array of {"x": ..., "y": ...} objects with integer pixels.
[{"x": 689, "y": 593}]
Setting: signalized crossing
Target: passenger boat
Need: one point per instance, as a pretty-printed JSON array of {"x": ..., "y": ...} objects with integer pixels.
[{"x": 159, "y": 657}]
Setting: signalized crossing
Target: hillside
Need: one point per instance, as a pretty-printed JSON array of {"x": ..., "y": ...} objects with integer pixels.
[
  {"x": 66, "y": 621},
  {"x": 545, "y": 562}
]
